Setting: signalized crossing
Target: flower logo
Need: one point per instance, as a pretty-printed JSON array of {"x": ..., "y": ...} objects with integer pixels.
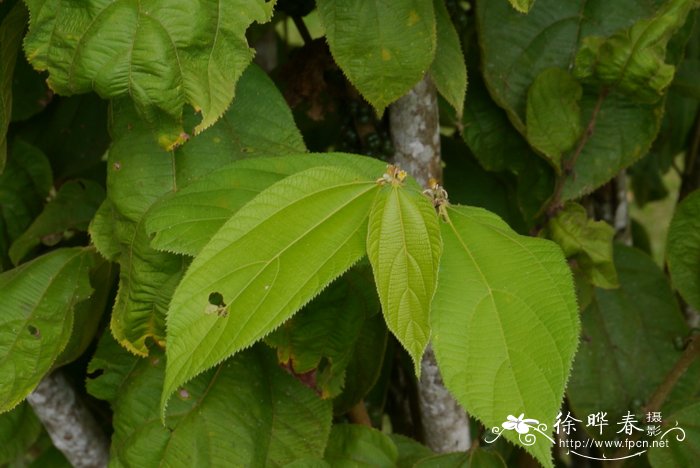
[{"x": 522, "y": 426}]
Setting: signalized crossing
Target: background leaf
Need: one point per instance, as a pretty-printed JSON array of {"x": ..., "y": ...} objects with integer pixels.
[
  {"x": 36, "y": 317},
  {"x": 679, "y": 453},
  {"x": 355, "y": 445},
  {"x": 404, "y": 248},
  {"x": 268, "y": 260},
  {"x": 384, "y": 47},
  {"x": 504, "y": 320},
  {"x": 449, "y": 72},
  {"x": 160, "y": 54},
  {"x": 19, "y": 429},
  {"x": 683, "y": 249}
]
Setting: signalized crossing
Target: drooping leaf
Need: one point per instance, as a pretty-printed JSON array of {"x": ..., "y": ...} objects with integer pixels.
[
  {"x": 589, "y": 243},
  {"x": 632, "y": 60},
  {"x": 356, "y": 445},
  {"x": 24, "y": 185},
  {"x": 273, "y": 256},
  {"x": 404, "y": 248},
  {"x": 322, "y": 337},
  {"x": 11, "y": 30},
  {"x": 36, "y": 317},
  {"x": 553, "y": 114},
  {"x": 683, "y": 447},
  {"x": 683, "y": 249},
  {"x": 628, "y": 343},
  {"x": 185, "y": 222},
  {"x": 246, "y": 412},
  {"x": 517, "y": 48},
  {"x": 19, "y": 429},
  {"x": 504, "y": 319},
  {"x": 72, "y": 209},
  {"x": 384, "y": 47},
  {"x": 449, "y": 72},
  {"x": 162, "y": 54}
]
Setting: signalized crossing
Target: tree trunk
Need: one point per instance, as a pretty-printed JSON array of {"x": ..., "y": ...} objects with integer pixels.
[{"x": 415, "y": 132}]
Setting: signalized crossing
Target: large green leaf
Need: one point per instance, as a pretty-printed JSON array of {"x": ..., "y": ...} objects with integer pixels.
[
  {"x": 683, "y": 249},
  {"x": 273, "y": 256},
  {"x": 11, "y": 30},
  {"x": 246, "y": 412},
  {"x": 71, "y": 210},
  {"x": 628, "y": 345},
  {"x": 320, "y": 340},
  {"x": 448, "y": 70},
  {"x": 184, "y": 222},
  {"x": 683, "y": 448},
  {"x": 19, "y": 429},
  {"x": 36, "y": 317},
  {"x": 404, "y": 247},
  {"x": 505, "y": 322},
  {"x": 383, "y": 46},
  {"x": 517, "y": 48},
  {"x": 24, "y": 185},
  {"x": 163, "y": 54},
  {"x": 353, "y": 445},
  {"x": 589, "y": 243},
  {"x": 633, "y": 59}
]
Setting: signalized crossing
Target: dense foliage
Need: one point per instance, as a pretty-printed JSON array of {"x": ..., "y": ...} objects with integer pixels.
[{"x": 221, "y": 258}]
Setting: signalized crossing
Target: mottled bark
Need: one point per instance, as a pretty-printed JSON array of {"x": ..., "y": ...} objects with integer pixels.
[
  {"x": 415, "y": 132},
  {"x": 72, "y": 428}
]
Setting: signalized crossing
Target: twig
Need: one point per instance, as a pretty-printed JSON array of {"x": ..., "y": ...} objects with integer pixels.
[{"x": 358, "y": 414}]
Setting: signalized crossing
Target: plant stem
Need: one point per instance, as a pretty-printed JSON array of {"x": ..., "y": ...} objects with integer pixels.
[
  {"x": 358, "y": 414},
  {"x": 415, "y": 133},
  {"x": 70, "y": 425},
  {"x": 303, "y": 30}
]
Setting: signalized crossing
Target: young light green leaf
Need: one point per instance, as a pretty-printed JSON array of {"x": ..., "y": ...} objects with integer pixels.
[
  {"x": 589, "y": 243},
  {"x": 448, "y": 70},
  {"x": 36, "y": 317},
  {"x": 629, "y": 343},
  {"x": 404, "y": 248},
  {"x": 163, "y": 55},
  {"x": 553, "y": 113},
  {"x": 505, "y": 322},
  {"x": 74, "y": 206},
  {"x": 222, "y": 418},
  {"x": 383, "y": 46},
  {"x": 184, "y": 222},
  {"x": 268, "y": 260},
  {"x": 633, "y": 59},
  {"x": 356, "y": 445},
  {"x": 11, "y": 30},
  {"x": 683, "y": 249},
  {"x": 523, "y": 6}
]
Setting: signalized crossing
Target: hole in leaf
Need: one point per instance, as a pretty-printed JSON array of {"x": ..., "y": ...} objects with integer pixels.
[
  {"x": 217, "y": 299},
  {"x": 34, "y": 331}
]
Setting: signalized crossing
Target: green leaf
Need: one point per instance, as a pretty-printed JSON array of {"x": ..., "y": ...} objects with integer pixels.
[
  {"x": 682, "y": 452},
  {"x": 632, "y": 60},
  {"x": 448, "y": 70},
  {"x": 383, "y": 46},
  {"x": 19, "y": 429},
  {"x": 246, "y": 412},
  {"x": 475, "y": 457},
  {"x": 30, "y": 93},
  {"x": 404, "y": 248},
  {"x": 112, "y": 365},
  {"x": 553, "y": 114},
  {"x": 162, "y": 54},
  {"x": 505, "y": 322},
  {"x": 24, "y": 185},
  {"x": 102, "y": 233},
  {"x": 628, "y": 343},
  {"x": 11, "y": 31},
  {"x": 351, "y": 445},
  {"x": 683, "y": 249},
  {"x": 268, "y": 260},
  {"x": 185, "y": 222},
  {"x": 36, "y": 317},
  {"x": 517, "y": 48},
  {"x": 523, "y": 6},
  {"x": 409, "y": 450},
  {"x": 74, "y": 206},
  {"x": 321, "y": 338},
  {"x": 589, "y": 243}
]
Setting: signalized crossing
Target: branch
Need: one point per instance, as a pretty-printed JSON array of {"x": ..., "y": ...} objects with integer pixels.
[
  {"x": 72, "y": 428},
  {"x": 415, "y": 132}
]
